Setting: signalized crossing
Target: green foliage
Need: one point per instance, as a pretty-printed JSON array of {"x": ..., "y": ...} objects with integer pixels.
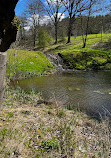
[
  {"x": 87, "y": 58},
  {"x": 43, "y": 38},
  {"x": 69, "y": 107},
  {"x": 16, "y": 22},
  {"x": 3, "y": 133},
  {"x": 10, "y": 114},
  {"x": 25, "y": 112},
  {"x": 61, "y": 113},
  {"x": 49, "y": 145}
]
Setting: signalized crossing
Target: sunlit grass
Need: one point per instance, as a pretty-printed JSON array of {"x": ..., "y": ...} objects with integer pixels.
[
  {"x": 77, "y": 57},
  {"x": 21, "y": 62},
  {"x": 77, "y": 43}
]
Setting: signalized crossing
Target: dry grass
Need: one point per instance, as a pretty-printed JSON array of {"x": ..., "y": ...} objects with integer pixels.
[{"x": 50, "y": 132}]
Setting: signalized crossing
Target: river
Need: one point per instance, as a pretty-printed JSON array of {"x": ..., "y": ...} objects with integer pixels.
[{"x": 90, "y": 92}]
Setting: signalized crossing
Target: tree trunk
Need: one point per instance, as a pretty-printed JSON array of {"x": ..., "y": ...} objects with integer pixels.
[
  {"x": 69, "y": 30},
  {"x": 3, "y": 59},
  {"x": 84, "y": 42},
  {"x": 56, "y": 33}
]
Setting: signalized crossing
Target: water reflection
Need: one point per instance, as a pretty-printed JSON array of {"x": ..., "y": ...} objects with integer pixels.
[{"x": 90, "y": 91}]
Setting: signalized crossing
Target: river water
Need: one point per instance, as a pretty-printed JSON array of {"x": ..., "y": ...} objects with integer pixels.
[{"x": 89, "y": 92}]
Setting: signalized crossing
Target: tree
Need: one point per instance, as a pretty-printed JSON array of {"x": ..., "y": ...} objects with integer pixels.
[
  {"x": 34, "y": 12},
  {"x": 74, "y": 7},
  {"x": 22, "y": 31},
  {"x": 53, "y": 9},
  {"x": 91, "y": 9},
  {"x": 43, "y": 38},
  {"x": 8, "y": 30}
]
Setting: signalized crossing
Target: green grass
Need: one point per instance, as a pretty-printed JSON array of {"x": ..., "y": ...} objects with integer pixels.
[
  {"x": 26, "y": 63},
  {"x": 22, "y": 63},
  {"x": 77, "y": 57}
]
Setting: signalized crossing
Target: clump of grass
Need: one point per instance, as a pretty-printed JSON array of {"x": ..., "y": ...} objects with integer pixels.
[
  {"x": 69, "y": 107},
  {"x": 3, "y": 133},
  {"x": 25, "y": 112},
  {"x": 61, "y": 113},
  {"x": 49, "y": 145},
  {"x": 21, "y": 96},
  {"x": 10, "y": 115}
]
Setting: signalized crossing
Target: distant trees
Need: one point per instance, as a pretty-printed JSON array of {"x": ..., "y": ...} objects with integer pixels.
[
  {"x": 49, "y": 15},
  {"x": 74, "y": 7}
]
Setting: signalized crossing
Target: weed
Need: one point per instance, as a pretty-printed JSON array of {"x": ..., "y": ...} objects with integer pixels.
[
  {"x": 61, "y": 113},
  {"x": 3, "y": 133},
  {"x": 25, "y": 112},
  {"x": 10, "y": 114},
  {"x": 69, "y": 107},
  {"x": 49, "y": 145}
]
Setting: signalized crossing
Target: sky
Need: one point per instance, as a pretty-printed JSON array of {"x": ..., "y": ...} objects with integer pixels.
[{"x": 20, "y": 7}]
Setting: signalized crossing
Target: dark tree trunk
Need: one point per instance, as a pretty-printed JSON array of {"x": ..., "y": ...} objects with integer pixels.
[
  {"x": 69, "y": 30},
  {"x": 71, "y": 21},
  {"x": 84, "y": 42},
  {"x": 56, "y": 32},
  {"x": 56, "y": 27},
  {"x": 34, "y": 40}
]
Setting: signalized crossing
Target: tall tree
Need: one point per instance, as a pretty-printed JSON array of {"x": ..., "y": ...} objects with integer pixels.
[
  {"x": 90, "y": 11},
  {"x": 34, "y": 12},
  {"x": 22, "y": 30},
  {"x": 74, "y": 7},
  {"x": 8, "y": 32},
  {"x": 55, "y": 11}
]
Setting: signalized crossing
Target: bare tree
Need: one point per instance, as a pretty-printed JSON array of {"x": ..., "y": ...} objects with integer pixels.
[
  {"x": 92, "y": 8},
  {"x": 74, "y": 7},
  {"x": 34, "y": 12},
  {"x": 22, "y": 32},
  {"x": 55, "y": 11}
]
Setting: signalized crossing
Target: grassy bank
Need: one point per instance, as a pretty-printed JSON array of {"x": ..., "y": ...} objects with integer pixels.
[
  {"x": 31, "y": 129},
  {"x": 23, "y": 63},
  {"x": 96, "y": 55}
]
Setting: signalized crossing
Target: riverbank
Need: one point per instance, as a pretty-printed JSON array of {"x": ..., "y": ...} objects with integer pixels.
[
  {"x": 61, "y": 57},
  {"x": 96, "y": 55},
  {"x": 23, "y": 64},
  {"x": 31, "y": 127}
]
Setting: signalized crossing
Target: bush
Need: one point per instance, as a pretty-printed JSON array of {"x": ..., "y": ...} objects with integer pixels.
[{"x": 43, "y": 38}]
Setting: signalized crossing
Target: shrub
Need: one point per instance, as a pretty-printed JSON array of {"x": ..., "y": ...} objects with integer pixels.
[{"x": 43, "y": 38}]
